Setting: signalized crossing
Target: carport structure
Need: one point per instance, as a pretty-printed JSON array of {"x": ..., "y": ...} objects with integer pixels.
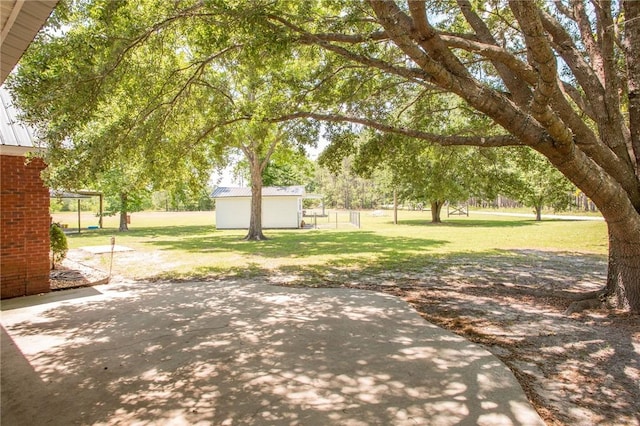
[{"x": 79, "y": 196}]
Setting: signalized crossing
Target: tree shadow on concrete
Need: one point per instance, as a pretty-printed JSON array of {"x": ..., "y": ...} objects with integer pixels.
[
  {"x": 581, "y": 368},
  {"x": 251, "y": 354}
]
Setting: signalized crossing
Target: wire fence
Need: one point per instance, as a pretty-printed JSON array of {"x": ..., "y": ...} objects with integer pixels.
[{"x": 332, "y": 220}]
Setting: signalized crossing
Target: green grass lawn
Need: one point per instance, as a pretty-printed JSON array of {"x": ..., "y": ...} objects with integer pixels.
[{"x": 180, "y": 245}]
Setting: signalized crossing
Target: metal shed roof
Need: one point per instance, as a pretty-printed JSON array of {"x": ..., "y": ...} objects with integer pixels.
[
  {"x": 56, "y": 193},
  {"x": 267, "y": 191}
]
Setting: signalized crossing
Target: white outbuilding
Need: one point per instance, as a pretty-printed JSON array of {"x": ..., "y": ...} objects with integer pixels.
[{"x": 281, "y": 207}]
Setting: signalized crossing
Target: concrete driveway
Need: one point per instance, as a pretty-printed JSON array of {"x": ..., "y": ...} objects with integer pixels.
[{"x": 241, "y": 353}]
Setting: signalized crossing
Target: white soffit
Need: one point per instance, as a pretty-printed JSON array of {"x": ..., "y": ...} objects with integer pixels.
[{"x": 20, "y": 21}]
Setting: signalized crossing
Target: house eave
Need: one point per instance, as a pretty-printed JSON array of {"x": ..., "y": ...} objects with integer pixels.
[
  {"x": 20, "y": 22},
  {"x": 18, "y": 151}
]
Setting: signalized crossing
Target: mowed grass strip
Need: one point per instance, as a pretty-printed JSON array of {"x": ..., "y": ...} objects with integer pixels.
[{"x": 187, "y": 244}]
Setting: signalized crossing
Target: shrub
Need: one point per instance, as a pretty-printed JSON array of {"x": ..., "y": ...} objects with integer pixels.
[{"x": 58, "y": 244}]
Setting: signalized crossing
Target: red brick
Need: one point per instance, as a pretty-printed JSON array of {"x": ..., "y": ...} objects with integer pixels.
[{"x": 24, "y": 228}]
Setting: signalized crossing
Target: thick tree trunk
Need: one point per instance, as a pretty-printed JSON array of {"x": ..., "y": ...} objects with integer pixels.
[
  {"x": 123, "y": 213},
  {"x": 623, "y": 276},
  {"x": 255, "y": 221},
  {"x": 436, "y": 209},
  {"x": 631, "y": 41}
]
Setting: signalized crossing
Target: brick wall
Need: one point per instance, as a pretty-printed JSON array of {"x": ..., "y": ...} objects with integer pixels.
[{"x": 24, "y": 227}]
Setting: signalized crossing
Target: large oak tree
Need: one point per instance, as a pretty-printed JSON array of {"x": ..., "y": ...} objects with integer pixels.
[{"x": 562, "y": 78}]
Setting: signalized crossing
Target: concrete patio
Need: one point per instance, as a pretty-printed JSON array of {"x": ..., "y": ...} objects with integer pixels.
[{"x": 243, "y": 353}]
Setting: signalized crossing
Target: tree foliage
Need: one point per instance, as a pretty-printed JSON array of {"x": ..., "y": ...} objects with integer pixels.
[
  {"x": 172, "y": 89},
  {"x": 530, "y": 179},
  {"x": 342, "y": 188},
  {"x": 287, "y": 166},
  {"x": 562, "y": 78},
  {"x": 559, "y": 77}
]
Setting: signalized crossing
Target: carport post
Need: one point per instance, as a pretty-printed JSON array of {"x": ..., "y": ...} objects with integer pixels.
[
  {"x": 100, "y": 220},
  {"x": 79, "y": 228}
]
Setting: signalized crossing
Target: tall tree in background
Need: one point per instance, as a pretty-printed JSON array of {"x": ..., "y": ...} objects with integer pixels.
[
  {"x": 343, "y": 188},
  {"x": 124, "y": 194},
  {"x": 422, "y": 172},
  {"x": 418, "y": 172},
  {"x": 534, "y": 182}
]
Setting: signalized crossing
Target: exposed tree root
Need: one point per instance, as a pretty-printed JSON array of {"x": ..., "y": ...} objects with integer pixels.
[
  {"x": 591, "y": 300},
  {"x": 255, "y": 238}
]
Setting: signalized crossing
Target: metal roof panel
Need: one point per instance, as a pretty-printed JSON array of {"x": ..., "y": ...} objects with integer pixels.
[
  {"x": 267, "y": 191},
  {"x": 12, "y": 131}
]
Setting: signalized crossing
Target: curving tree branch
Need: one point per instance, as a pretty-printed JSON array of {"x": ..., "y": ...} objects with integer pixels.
[{"x": 479, "y": 141}]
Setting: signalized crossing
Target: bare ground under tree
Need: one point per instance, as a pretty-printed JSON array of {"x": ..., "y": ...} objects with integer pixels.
[{"x": 581, "y": 368}]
